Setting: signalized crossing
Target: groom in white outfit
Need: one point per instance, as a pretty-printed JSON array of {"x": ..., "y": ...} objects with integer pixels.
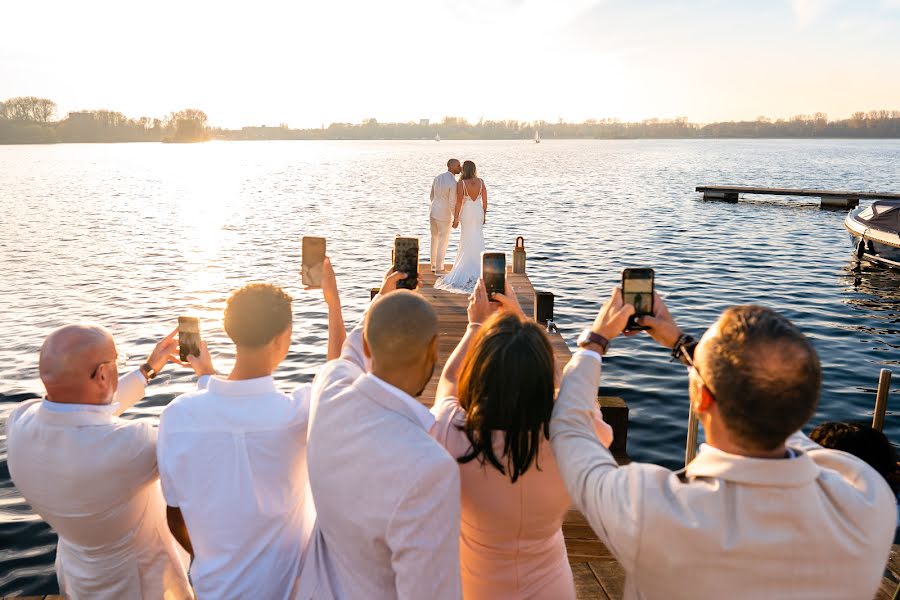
[{"x": 443, "y": 198}]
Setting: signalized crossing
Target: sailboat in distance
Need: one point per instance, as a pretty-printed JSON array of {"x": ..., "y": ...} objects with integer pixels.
[
  {"x": 437, "y": 137},
  {"x": 537, "y": 136}
]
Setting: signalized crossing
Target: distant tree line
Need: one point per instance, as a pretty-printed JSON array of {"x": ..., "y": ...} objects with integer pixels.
[
  {"x": 28, "y": 119},
  {"x": 873, "y": 124}
]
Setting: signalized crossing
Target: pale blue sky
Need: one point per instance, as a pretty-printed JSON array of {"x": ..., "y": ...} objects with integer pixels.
[{"x": 316, "y": 62}]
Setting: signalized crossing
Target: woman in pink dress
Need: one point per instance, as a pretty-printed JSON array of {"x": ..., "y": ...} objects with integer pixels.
[{"x": 492, "y": 413}]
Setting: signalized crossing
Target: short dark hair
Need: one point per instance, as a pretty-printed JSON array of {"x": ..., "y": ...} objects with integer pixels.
[
  {"x": 764, "y": 374},
  {"x": 506, "y": 384},
  {"x": 452, "y": 161},
  {"x": 863, "y": 441},
  {"x": 256, "y": 314}
]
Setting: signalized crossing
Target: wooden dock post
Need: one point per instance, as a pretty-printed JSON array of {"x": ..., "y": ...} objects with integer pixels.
[{"x": 881, "y": 398}]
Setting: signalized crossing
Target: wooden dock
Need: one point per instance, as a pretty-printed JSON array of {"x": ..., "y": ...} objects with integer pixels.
[{"x": 829, "y": 198}]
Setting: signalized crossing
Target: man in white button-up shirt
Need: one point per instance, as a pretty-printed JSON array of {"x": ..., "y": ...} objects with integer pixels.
[
  {"x": 91, "y": 475},
  {"x": 762, "y": 511},
  {"x": 232, "y": 456},
  {"x": 443, "y": 199},
  {"x": 386, "y": 494}
]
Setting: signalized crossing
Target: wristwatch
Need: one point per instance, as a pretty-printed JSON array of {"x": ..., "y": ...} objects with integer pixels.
[
  {"x": 684, "y": 346},
  {"x": 148, "y": 372},
  {"x": 589, "y": 337}
]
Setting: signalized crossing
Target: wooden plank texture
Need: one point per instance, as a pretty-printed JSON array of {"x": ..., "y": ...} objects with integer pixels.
[{"x": 740, "y": 189}]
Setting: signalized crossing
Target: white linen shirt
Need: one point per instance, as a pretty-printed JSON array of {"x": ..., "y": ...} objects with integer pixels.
[
  {"x": 386, "y": 493},
  {"x": 92, "y": 477},
  {"x": 233, "y": 458},
  {"x": 819, "y": 525},
  {"x": 443, "y": 196}
]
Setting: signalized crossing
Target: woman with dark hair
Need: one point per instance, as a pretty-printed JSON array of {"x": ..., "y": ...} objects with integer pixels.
[
  {"x": 493, "y": 409},
  {"x": 470, "y": 213}
]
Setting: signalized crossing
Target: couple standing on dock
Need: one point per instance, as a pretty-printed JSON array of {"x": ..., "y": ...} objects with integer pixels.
[{"x": 458, "y": 202}]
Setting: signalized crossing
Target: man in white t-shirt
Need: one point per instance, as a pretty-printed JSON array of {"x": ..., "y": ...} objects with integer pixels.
[
  {"x": 232, "y": 456},
  {"x": 443, "y": 199}
]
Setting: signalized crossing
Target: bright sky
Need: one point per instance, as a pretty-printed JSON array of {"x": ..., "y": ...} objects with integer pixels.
[{"x": 310, "y": 62}]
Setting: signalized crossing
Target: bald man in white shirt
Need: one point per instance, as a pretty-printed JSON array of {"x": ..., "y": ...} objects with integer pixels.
[
  {"x": 93, "y": 476},
  {"x": 386, "y": 493},
  {"x": 443, "y": 199}
]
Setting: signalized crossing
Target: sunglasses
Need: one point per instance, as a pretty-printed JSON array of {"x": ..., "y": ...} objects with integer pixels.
[{"x": 120, "y": 361}]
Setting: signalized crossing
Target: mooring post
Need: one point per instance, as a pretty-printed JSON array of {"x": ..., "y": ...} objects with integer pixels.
[
  {"x": 690, "y": 450},
  {"x": 881, "y": 398},
  {"x": 838, "y": 202},
  {"x": 543, "y": 307},
  {"x": 519, "y": 256}
]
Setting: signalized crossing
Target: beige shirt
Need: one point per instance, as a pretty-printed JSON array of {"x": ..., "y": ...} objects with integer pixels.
[
  {"x": 816, "y": 526},
  {"x": 92, "y": 476}
]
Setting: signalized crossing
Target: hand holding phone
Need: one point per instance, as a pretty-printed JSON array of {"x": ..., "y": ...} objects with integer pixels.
[
  {"x": 406, "y": 260},
  {"x": 188, "y": 337},
  {"x": 638, "y": 290},
  {"x": 312, "y": 261},
  {"x": 493, "y": 272}
]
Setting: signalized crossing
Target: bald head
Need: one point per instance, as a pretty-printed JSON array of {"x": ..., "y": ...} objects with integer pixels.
[
  {"x": 68, "y": 357},
  {"x": 763, "y": 372},
  {"x": 400, "y": 328}
]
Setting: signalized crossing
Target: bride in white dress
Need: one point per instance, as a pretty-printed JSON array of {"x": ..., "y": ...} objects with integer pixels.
[{"x": 470, "y": 213}]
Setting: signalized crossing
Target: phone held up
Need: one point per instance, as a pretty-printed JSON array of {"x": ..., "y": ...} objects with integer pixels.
[
  {"x": 188, "y": 337},
  {"x": 313, "y": 259},
  {"x": 637, "y": 290},
  {"x": 493, "y": 272},
  {"x": 406, "y": 260}
]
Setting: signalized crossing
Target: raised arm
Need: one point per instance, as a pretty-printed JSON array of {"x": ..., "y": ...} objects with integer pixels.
[
  {"x": 337, "y": 331},
  {"x": 353, "y": 347},
  {"x": 132, "y": 386}
]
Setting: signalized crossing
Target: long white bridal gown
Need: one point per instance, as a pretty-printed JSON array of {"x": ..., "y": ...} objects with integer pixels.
[{"x": 467, "y": 267}]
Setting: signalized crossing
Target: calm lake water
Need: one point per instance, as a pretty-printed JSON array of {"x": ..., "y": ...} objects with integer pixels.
[{"x": 132, "y": 235}]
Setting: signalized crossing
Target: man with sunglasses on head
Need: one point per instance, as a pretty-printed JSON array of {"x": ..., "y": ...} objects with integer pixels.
[
  {"x": 92, "y": 475},
  {"x": 762, "y": 511}
]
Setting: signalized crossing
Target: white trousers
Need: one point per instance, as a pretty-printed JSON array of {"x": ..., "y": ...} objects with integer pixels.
[{"x": 440, "y": 237}]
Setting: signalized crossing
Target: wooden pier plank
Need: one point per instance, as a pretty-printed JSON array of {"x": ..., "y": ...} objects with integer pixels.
[{"x": 741, "y": 189}]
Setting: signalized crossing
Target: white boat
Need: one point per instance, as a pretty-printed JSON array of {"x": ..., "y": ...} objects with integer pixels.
[
  {"x": 876, "y": 232},
  {"x": 537, "y": 136},
  {"x": 437, "y": 137}
]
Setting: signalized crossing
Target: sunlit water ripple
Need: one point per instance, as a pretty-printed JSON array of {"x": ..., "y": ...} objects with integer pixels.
[{"x": 133, "y": 235}]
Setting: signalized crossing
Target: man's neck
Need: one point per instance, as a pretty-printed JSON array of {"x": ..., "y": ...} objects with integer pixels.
[
  {"x": 250, "y": 367},
  {"x": 400, "y": 381},
  {"x": 733, "y": 448}
]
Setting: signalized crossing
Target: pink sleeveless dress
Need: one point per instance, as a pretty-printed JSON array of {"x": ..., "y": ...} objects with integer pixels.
[{"x": 511, "y": 541}]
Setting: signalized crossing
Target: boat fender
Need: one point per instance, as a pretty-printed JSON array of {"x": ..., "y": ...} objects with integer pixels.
[{"x": 860, "y": 249}]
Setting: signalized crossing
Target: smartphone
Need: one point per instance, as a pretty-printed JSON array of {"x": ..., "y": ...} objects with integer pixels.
[
  {"x": 406, "y": 260},
  {"x": 188, "y": 337},
  {"x": 637, "y": 290},
  {"x": 313, "y": 258},
  {"x": 493, "y": 271}
]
